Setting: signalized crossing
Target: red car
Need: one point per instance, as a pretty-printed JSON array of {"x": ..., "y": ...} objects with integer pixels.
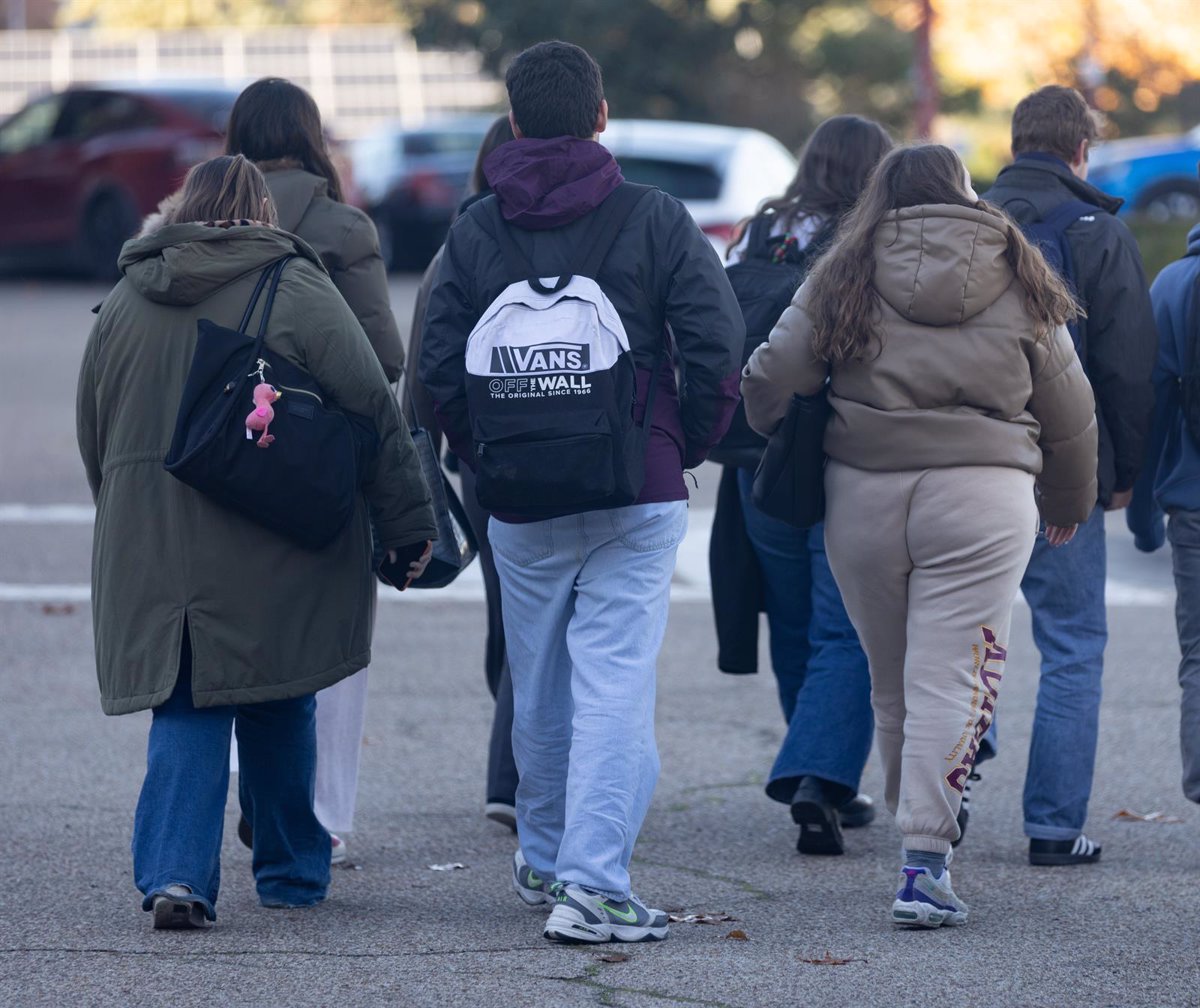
[{"x": 80, "y": 168}]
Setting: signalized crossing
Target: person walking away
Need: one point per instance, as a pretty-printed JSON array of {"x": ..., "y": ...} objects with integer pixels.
[
  {"x": 586, "y": 583},
  {"x": 500, "y": 793},
  {"x": 1052, "y": 132},
  {"x": 955, "y": 394},
  {"x": 200, "y": 615},
  {"x": 277, "y": 125},
  {"x": 820, "y": 667},
  {"x": 1170, "y": 481}
]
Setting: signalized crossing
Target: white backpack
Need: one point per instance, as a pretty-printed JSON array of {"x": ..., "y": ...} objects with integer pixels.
[{"x": 551, "y": 384}]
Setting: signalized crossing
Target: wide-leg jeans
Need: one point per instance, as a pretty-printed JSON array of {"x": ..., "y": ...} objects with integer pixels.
[{"x": 585, "y": 609}]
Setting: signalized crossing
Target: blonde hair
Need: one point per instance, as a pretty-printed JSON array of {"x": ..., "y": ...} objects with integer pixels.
[
  {"x": 842, "y": 301},
  {"x": 226, "y": 188}
]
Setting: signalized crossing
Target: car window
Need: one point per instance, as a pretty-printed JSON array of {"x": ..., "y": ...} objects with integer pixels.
[
  {"x": 31, "y": 126},
  {"x": 416, "y": 144},
  {"x": 91, "y": 114},
  {"x": 682, "y": 179},
  {"x": 210, "y": 107}
]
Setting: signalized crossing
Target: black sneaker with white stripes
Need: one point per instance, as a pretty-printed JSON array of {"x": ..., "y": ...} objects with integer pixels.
[
  {"x": 964, "y": 810},
  {"x": 1081, "y": 850}
]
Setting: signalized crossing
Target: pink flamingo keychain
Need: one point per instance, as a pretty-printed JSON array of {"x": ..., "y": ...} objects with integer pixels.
[{"x": 259, "y": 418}]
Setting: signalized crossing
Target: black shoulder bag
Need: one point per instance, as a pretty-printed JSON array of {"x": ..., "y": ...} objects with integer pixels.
[
  {"x": 790, "y": 481},
  {"x": 299, "y": 471}
]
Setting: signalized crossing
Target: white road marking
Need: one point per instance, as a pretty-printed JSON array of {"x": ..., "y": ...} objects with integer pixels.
[
  {"x": 47, "y": 514},
  {"x": 689, "y": 584}
]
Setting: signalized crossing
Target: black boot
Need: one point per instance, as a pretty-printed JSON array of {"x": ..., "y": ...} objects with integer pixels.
[
  {"x": 857, "y": 812},
  {"x": 817, "y": 817}
]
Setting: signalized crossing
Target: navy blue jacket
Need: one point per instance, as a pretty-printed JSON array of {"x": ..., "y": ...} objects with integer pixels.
[{"x": 1171, "y": 478}]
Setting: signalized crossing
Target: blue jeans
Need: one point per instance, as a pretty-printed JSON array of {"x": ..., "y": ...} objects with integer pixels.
[
  {"x": 585, "y": 608},
  {"x": 1064, "y": 587},
  {"x": 181, "y": 812},
  {"x": 822, "y": 673}
]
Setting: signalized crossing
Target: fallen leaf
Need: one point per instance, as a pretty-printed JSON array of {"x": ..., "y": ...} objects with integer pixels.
[
  {"x": 65, "y": 609},
  {"x": 738, "y": 935},
  {"x": 613, "y": 957},
  {"x": 1125, "y": 815},
  {"x": 700, "y": 918},
  {"x": 830, "y": 961},
  {"x": 450, "y": 866}
]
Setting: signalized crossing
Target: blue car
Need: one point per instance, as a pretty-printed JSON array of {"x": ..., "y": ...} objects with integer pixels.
[{"x": 1154, "y": 175}]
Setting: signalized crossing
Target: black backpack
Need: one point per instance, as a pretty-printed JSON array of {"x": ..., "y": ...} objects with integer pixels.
[
  {"x": 764, "y": 282},
  {"x": 551, "y": 383},
  {"x": 1189, "y": 380},
  {"x": 1049, "y": 233}
]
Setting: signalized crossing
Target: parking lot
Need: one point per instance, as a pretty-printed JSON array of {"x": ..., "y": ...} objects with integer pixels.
[{"x": 783, "y": 929}]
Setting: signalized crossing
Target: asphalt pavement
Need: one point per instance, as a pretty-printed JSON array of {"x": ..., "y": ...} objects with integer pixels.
[{"x": 782, "y": 929}]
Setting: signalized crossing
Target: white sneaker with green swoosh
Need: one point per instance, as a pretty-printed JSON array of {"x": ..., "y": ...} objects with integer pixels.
[
  {"x": 581, "y": 916},
  {"x": 530, "y": 886}
]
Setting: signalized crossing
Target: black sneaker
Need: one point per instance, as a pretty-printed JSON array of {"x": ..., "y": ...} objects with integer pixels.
[
  {"x": 964, "y": 810},
  {"x": 176, "y": 909},
  {"x": 245, "y": 832},
  {"x": 859, "y": 811},
  {"x": 1081, "y": 850},
  {"x": 820, "y": 831}
]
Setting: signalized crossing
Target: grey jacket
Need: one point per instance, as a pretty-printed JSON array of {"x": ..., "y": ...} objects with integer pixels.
[
  {"x": 345, "y": 239},
  {"x": 960, "y": 378}
]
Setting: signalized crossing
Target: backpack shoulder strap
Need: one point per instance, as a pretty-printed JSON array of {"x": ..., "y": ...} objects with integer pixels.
[
  {"x": 758, "y": 237},
  {"x": 611, "y": 216},
  {"x": 1063, "y": 215}
]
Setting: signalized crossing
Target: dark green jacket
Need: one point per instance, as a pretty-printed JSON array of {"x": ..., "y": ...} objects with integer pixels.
[
  {"x": 267, "y": 620},
  {"x": 345, "y": 239}
]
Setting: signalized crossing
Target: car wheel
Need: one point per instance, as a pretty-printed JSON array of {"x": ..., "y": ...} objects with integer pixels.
[
  {"x": 1178, "y": 199},
  {"x": 109, "y": 220}
]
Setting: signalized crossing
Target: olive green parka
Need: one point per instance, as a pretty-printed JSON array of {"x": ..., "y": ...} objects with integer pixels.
[{"x": 267, "y": 619}]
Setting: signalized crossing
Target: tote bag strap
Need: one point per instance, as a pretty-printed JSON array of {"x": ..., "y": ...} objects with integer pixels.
[{"x": 275, "y": 271}]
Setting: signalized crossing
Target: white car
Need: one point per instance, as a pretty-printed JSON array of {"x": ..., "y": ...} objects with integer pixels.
[{"x": 721, "y": 173}]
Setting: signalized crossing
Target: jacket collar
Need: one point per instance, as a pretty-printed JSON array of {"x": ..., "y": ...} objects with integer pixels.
[{"x": 1049, "y": 165}]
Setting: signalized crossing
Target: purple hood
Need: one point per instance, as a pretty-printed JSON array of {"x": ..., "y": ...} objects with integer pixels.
[{"x": 543, "y": 184}]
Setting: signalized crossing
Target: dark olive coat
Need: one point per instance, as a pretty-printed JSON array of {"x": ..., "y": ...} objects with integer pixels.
[{"x": 267, "y": 620}]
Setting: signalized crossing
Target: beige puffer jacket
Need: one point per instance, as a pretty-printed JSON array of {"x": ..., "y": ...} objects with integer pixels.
[{"x": 960, "y": 380}]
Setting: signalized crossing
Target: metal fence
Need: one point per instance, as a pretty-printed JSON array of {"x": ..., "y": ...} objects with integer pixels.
[{"x": 360, "y": 76}]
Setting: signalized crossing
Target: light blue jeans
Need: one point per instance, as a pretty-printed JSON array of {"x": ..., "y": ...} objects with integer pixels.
[
  {"x": 1064, "y": 587},
  {"x": 585, "y": 609}
]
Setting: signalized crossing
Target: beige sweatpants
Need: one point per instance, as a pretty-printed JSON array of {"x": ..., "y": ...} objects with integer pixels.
[{"x": 928, "y": 563}]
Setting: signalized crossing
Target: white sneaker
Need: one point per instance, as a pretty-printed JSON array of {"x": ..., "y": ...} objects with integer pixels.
[
  {"x": 925, "y": 901},
  {"x": 337, "y": 850},
  {"x": 582, "y": 917},
  {"x": 530, "y": 886}
]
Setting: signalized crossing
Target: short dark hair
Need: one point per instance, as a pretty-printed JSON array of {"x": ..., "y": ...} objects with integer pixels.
[
  {"x": 1053, "y": 120},
  {"x": 555, "y": 89}
]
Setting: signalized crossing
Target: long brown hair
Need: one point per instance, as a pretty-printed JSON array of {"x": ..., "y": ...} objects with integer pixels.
[
  {"x": 500, "y": 132},
  {"x": 225, "y": 188},
  {"x": 274, "y": 119},
  {"x": 834, "y": 167},
  {"x": 841, "y": 297}
]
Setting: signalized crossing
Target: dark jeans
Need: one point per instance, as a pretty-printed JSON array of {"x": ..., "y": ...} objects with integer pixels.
[
  {"x": 1183, "y": 529},
  {"x": 822, "y": 672},
  {"x": 181, "y": 812},
  {"x": 502, "y": 774}
]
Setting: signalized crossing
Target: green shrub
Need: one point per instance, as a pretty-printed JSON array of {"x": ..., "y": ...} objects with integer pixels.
[{"x": 1161, "y": 242}]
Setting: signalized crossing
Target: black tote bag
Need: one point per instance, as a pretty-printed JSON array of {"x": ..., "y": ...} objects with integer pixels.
[
  {"x": 790, "y": 481},
  {"x": 455, "y": 546},
  {"x": 305, "y": 485}
]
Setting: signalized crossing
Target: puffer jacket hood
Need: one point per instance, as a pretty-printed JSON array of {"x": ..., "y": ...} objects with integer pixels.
[
  {"x": 544, "y": 184},
  {"x": 941, "y": 264},
  {"x": 182, "y": 264}
]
